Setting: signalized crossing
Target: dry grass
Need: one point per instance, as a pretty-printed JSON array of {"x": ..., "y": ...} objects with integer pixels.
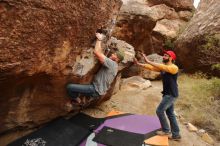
[{"x": 199, "y": 102}]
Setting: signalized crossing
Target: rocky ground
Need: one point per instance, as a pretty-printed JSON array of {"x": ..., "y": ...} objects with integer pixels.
[{"x": 143, "y": 102}]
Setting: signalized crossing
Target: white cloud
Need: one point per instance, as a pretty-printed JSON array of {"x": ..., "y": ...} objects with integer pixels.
[{"x": 196, "y": 2}]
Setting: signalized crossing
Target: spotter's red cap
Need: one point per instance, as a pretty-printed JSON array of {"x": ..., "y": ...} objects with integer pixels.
[{"x": 171, "y": 54}]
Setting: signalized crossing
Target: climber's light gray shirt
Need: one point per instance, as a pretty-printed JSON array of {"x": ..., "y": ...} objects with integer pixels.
[{"x": 105, "y": 76}]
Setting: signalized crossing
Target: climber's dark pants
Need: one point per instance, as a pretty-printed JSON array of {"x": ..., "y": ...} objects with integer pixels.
[{"x": 74, "y": 90}]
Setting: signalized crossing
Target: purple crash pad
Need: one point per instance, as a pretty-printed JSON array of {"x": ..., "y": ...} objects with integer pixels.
[{"x": 141, "y": 124}]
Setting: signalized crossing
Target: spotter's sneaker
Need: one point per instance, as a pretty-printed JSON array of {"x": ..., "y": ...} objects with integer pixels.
[
  {"x": 161, "y": 133},
  {"x": 176, "y": 138}
]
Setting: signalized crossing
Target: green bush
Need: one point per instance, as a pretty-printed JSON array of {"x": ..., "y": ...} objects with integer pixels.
[
  {"x": 168, "y": 44},
  {"x": 216, "y": 66},
  {"x": 210, "y": 42}
]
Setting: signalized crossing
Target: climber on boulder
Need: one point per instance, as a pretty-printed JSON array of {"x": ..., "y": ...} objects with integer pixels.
[{"x": 103, "y": 78}]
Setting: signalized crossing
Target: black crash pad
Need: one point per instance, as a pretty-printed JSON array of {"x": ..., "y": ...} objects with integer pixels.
[
  {"x": 60, "y": 132},
  {"x": 115, "y": 137},
  {"x": 86, "y": 121}
]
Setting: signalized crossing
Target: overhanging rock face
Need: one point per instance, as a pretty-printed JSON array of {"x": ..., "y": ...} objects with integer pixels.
[{"x": 41, "y": 45}]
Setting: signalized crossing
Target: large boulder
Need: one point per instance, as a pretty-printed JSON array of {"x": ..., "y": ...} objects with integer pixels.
[
  {"x": 169, "y": 28},
  {"x": 134, "y": 25},
  {"x": 135, "y": 83},
  {"x": 43, "y": 46},
  {"x": 198, "y": 46},
  {"x": 148, "y": 24}
]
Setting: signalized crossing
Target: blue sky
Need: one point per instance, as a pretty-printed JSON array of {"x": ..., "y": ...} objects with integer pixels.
[{"x": 196, "y": 2}]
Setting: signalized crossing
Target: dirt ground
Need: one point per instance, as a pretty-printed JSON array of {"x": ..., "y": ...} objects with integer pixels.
[{"x": 143, "y": 102}]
